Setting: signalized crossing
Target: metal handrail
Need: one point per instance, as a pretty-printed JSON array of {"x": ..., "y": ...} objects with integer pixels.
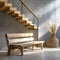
[{"x": 29, "y": 9}]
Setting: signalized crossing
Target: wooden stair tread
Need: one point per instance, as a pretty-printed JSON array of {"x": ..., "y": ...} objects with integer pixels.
[
  {"x": 8, "y": 4},
  {"x": 16, "y": 14},
  {"x": 31, "y": 25},
  {"x": 3, "y": 0},
  {"x": 32, "y": 28},
  {"x": 35, "y": 27},
  {"x": 9, "y": 10},
  {"x": 4, "y": 5},
  {"x": 27, "y": 23},
  {"x": 18, "y": 17},
  {"x": 24, "y": 20}
]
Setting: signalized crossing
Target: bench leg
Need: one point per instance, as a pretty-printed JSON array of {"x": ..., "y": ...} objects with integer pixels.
[
  {"x": 9, "y": 49},
  {"x": 21, "y": 51},
  {"x": 33, "y": 46},
  {"x": 41, "y": 45}
]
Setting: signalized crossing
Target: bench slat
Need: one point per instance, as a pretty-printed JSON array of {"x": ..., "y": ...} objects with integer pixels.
[
  {"x": 38, "y": 42},
  {"x": 14, "y": 35},
  {"x": 23, "y": 44},
  {"x": 21, "y": 40}
]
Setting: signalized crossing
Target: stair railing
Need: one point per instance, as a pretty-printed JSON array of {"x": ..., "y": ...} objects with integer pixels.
[
  {"x": 21, "y": 6},
  {"x": 29, "y": 9}
]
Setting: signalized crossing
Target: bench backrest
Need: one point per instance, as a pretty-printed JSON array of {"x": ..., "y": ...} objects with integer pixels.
[{"x": 19, "y": 37}]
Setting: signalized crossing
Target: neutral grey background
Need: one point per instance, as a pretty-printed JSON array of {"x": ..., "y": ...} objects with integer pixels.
[{"x": 46, "y": 10}]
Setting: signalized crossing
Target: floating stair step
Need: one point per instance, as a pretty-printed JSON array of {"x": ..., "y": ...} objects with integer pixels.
[
  {"x": 35, "y": 27},
  {"x": 30, "y": 22},
  {"x": 18, "y": 17},
  {"x": 27, "y": 23},
  {"x": 13, "y": 13},
  {"x": 4, "y": 5},
  {"x": 16, "y": 14},
  {"x": 3, "y": 0},
  {"x": 9, "y": 10},
  {"x": 24, "y": 20},
  {"x": 31, "y": 25},
  {"x": 32, "y": 28}
]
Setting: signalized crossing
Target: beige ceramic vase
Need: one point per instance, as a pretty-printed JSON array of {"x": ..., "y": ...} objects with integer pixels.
[{"x": 52, "y": 40}]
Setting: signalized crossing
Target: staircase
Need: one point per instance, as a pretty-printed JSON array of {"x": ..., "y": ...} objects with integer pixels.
[{"x": 9, "y": 9}]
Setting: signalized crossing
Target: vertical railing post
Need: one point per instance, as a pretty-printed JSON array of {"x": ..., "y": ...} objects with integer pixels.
[
  {"x": 33, "y": 20},
  {"x": 13, "y": 2},
  {"x": 21, "y": 8},
  {"x": 38, "y": 23}
]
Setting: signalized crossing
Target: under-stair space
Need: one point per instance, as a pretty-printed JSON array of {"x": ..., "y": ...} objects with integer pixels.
[{"x": 9, "y": 9}]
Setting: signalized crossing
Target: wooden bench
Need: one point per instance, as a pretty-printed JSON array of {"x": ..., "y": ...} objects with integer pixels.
[
  {"x": 40, "y": 43},
  {"x": 21, "y": 40}
]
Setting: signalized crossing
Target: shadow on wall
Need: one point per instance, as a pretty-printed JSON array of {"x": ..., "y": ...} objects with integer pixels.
[
  {"x": 45, "y": 37},
  {"x": 46, "y": 16},
  {"x": 58, "y": 34}
]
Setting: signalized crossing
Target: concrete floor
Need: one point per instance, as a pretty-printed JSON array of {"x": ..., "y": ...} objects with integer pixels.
[{"x": 37, "y": 54}]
